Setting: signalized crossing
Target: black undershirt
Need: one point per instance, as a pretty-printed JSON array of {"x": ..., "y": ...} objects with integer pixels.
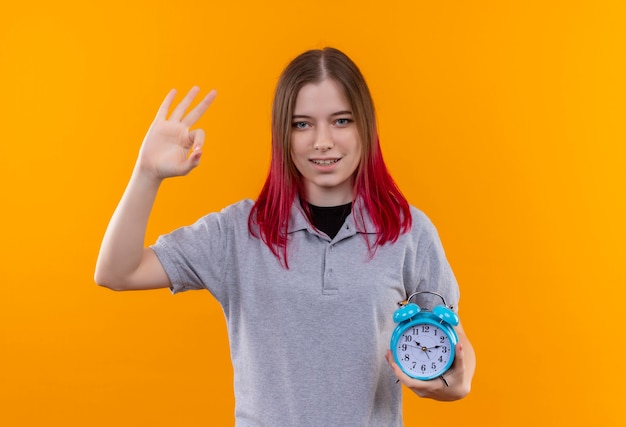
[{"x": 329, "y": 219}]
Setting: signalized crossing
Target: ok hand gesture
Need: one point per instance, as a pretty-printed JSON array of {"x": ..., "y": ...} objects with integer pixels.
[{"x": 170, "y": 148}]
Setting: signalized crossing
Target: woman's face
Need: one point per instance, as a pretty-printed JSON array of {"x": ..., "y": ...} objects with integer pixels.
[{"x": 325, "y": 143}]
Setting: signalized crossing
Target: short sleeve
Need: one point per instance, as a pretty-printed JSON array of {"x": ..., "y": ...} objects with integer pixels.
[
  {"x": 191, "y": 255},
  {"x": 433, "y": 272}
]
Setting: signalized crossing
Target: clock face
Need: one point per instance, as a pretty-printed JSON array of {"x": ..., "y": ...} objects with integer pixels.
[{"x": 424, "y": 351}]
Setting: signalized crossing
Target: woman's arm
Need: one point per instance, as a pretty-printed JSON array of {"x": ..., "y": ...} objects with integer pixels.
[
  {"x": 169, "y": 149},
  {"x": 458, "y": 379}
]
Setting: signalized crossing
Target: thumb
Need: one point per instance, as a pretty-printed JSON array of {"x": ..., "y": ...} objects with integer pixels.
[{"x": 197, "y": 141}]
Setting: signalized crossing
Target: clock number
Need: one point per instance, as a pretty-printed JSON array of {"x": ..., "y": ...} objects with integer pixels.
[
  {"x": 408, "y": 338},
  {"x": 433, "y": 366},
  {"x": 403, "y": 347},
  {"x": 425, "y": 328},
  {"x": 442, "y": 339},
  {"x": 423, "y": 368}
]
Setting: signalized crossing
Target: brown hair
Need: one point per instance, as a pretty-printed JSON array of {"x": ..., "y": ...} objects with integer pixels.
[
  {"x": 380, "y": 197},
  {"x": 313, "y": 66}
]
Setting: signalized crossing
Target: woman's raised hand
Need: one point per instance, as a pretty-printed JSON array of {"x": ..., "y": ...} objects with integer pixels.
[{"x": 170, "y": 148}]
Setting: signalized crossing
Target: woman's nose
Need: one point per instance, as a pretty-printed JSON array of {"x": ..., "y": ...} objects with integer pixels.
[{"x": 323, "y": 140}]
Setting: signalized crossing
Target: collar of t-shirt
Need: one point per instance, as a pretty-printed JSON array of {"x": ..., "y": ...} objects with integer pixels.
[{"x": 329, "y": 219}]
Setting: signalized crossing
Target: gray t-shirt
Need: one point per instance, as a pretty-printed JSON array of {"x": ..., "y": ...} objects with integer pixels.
[{"x": 308, "y": 343}]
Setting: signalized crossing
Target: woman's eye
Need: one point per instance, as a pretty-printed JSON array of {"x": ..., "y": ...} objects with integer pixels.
[
  {"x": 300, "y": 125},
  {"x": 342, "y": 122}
]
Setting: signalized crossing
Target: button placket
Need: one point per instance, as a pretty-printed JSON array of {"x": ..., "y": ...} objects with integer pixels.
[{"x": 329, "y": 276}]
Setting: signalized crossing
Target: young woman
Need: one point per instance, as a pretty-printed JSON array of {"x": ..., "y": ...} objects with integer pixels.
[{"x": 310, "y": 273}]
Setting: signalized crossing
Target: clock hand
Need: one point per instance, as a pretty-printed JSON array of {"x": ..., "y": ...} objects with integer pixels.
[
  {"x": 419, "y": 346},
  {"x": 424, "y": 349},
  {"x": 414, "y": 346}
]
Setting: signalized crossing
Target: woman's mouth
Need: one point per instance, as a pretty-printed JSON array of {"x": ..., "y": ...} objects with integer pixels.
[{"x": 324, "y": 162}]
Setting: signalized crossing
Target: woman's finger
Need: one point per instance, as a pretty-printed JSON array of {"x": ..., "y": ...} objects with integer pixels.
[
  {"x": 197, "y": 141},
  {"x": 192, "y": 117},
  {"x": 180, "y": 109},
  {"x": 165, "y": 105}
]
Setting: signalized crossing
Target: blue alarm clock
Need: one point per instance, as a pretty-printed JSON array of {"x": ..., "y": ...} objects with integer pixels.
[{"x": 424, "y": 340}]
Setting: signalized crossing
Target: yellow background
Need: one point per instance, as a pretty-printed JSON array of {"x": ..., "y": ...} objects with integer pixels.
[{"x": 502, "y": 120}]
